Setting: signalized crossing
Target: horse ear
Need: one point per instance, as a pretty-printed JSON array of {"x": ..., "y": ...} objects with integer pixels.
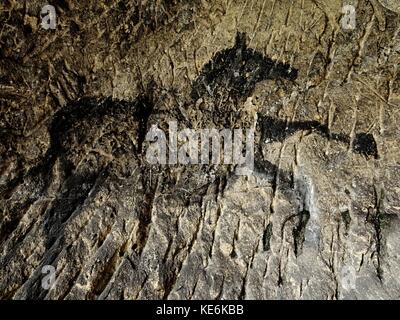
[{"x": 240, "y": 40}]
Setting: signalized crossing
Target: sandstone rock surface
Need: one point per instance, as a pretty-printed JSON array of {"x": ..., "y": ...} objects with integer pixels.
[{"x": 319, "y": 217}]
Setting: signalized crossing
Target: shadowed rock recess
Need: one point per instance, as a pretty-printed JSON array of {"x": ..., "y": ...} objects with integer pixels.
[{"x": 317, "y": 219}]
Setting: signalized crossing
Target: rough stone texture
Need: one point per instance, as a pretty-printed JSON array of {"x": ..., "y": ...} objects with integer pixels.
[{"x": 76, "y": 190}]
